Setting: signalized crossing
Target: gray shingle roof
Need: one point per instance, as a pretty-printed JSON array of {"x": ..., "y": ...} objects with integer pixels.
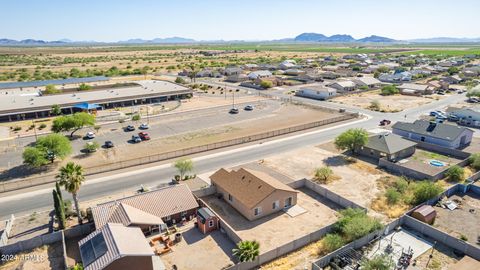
[
  {"x": 388, "y": 143},
  {"x": 434, "y": 130}
]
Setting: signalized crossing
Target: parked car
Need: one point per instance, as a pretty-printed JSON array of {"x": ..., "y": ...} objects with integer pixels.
[
  {"x": 385, "y": 122},
  {"x": 90, "y": 135},
  {"x": 233, "y": 111},
  {"x": 453, "y": 118},
  {"x": 441, "y": 116},
  {"x": 108, "y": 144},
  {"x": 130, "y": 128},
  {"x": 144, "y": 136},
  {"x": 248, "y": 108},
  {"x": 144, "y": 126},
  {"x": 136, "y": 139},
  {"x": 435, "y": 113}
]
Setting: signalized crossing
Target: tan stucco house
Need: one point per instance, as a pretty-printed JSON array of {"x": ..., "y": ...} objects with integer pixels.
[{"x": 253, "y": 193}]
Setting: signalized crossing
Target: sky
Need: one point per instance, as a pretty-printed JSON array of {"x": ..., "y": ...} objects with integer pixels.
[{"x": 114, "y": 20}]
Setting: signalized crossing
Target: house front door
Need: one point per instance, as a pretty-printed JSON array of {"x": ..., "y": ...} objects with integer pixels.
[{"x": 288, "y": 202}]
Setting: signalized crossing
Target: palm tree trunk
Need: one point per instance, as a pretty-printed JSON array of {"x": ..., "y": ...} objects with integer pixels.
[{"x": 77, "y": 207}]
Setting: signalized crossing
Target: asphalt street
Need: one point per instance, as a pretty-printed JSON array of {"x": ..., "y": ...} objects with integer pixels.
[{"x": 36, "y": 200}]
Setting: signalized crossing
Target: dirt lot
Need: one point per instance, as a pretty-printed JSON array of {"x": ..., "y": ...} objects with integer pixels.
[
  {"x": 42, "y": 258},
  {"x": 26, "y": 227},
  {"x": 286, "y": 116},
  {"x": 360, "y": 177},
  {"x": 394, "y": 103},
  {"x": 277, "y": 229},
  {"x": 461, "y": 221},
  {"x": 205, "y": 252}
]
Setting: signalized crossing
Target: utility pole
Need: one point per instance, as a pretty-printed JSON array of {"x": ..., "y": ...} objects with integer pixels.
[
  {"x": 225, "y": 90},
  {"x": 35, "y": 130},
  {"x": 148, "y": 120}
]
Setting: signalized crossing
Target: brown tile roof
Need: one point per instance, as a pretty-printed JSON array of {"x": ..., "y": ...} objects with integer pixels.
[
  {"x": 146, "y": 208},
  {"x": 120, "y": 241},
  {"x": 248, "y": 186}
]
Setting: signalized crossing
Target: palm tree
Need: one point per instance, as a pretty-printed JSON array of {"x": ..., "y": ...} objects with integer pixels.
[
  {"x": 71, "y": 178},
  {"x": 247, "y": 251}
]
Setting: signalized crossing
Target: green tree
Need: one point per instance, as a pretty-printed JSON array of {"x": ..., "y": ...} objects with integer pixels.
[
  {"x": 183, "y": 166},
  {"x": 71, "y": 178},
  {"x": 453, "y": 70},
  {"x": 354, "y": 223},
  {"x": 84, "y": 87},
  {"x": 425, "y": 190},
  {"x": 389, "y": 90},
  {"x": 54, "y": 146},
  {"x": 136, "y": 117},
  {"x": 180, "y": 80},
  {"x": 34, "y": 157},
  {"x": 91, "y": 146},
  {"x": 382, "y": 69},
  {"x": 351, "y": 139},
  {"x": 51, "y": 89},
  {"x": 56, "y": 110},
  {"x": 379, "y": 262},
  {"x": 247, "y": 251},
  {"x": 73, "y": 122},
  {"x": 266, "y": 84},
  {"x": 455, "y": 174},
  {"x": 323, "y": 174},
  {"x": 474, "y": 161},
  {"x": 333, "y": 241}
]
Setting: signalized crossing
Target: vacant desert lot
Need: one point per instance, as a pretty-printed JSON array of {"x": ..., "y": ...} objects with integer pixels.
[
  {"x": 357, "y": 181},
  {"x": 392, "y": 103},
  {"x": 278, "y": 229}
]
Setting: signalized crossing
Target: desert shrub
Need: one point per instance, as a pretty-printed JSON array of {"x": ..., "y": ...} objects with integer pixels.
[
  {"x": 323, "y": 174},
  {"x": 375, "y": 105},
  {"x": 379, "y": 262},
  {"x": 393, "y": 196},
  {"x": 42, "y": 126},
  {"x": 401, "y": 184},
  {"x": 474, "y": 161},
  {"x": 425, "y": 190},
  {"x": 354, "y": 223},
  {"x": 389, "y": 90},
  {"x": 332, "y": 241},
  {"x": 455, "y": 174}
]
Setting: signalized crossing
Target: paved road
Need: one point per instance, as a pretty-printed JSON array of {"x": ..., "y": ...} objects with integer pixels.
[
  {"x": 160, "y": 126},
  {"x": 28, "y": 201}
]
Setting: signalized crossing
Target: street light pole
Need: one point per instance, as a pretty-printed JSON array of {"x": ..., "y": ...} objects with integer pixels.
[{"x": 35, "y": 130}]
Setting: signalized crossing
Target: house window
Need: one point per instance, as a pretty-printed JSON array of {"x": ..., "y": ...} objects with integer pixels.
[
  {"x": 288, "y": 202},
  {"x": 276, "y": 204},
  {"x": 230, "y": 197},
  {"x": 211, "y": 223},
  {"x": 257, "y": 211}
]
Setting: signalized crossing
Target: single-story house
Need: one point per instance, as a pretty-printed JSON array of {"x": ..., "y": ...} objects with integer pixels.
[
  {"x": 250, "y": 66},
  {"x": 389, "y": 146},
  {"x": 150, "y": 211},
  {"x": 294, "y": 71},
  {"x": 455, "y": 79},
  {"x": 369, "y": 82},
  {"x": 259, "y": 74},
  {"x": 253, "y": 193},
  {"x": 330, "y": 75},
  {"x": 276, "y": 81},
  {"x": 316, "y": 92},
  {"x": 415, "y": 89},
  {"x": 466, "y": 116},
  {"x": 445, "y": 135},
  {"x": 343, "y": 86},
  {"x": 397, "y": 77},
  {"x": 237, "y": 78},
  {"x": 229, "y": 71},
  {"x": 115, "y": 246}
]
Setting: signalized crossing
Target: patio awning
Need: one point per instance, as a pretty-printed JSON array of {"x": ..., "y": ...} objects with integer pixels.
[{"x": 87, "y": 106}]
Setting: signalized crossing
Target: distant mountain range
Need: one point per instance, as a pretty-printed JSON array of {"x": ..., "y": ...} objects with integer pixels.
[{"x": 304, "y": 37}]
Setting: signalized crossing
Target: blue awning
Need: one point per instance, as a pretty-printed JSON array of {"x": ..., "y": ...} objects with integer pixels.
[{"x": 87, "y": 106}]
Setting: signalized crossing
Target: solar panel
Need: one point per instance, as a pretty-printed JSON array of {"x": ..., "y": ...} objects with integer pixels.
[
  {"x": 46, "y": 82},
  {"x": 93, "y": 249}
]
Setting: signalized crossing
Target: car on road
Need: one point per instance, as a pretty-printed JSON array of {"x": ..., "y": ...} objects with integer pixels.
[
  {"x": 453, "y": 118},
  {"x": 233, "y": 111},
  {"x": 385, "y": 122},
  {"x": 144, "y": 126},
  {"x": 108, "y": 144},
  {"x": 248, "y": 108},
  {"x": 144, "y": 136},
  {"x": 435, "y": 113},
  {"x": 130, "y": 128},
  {"x": 136, "y": 139},
  {"x": 90, "y": 135},
  {"x": 441, "y": 117}
]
